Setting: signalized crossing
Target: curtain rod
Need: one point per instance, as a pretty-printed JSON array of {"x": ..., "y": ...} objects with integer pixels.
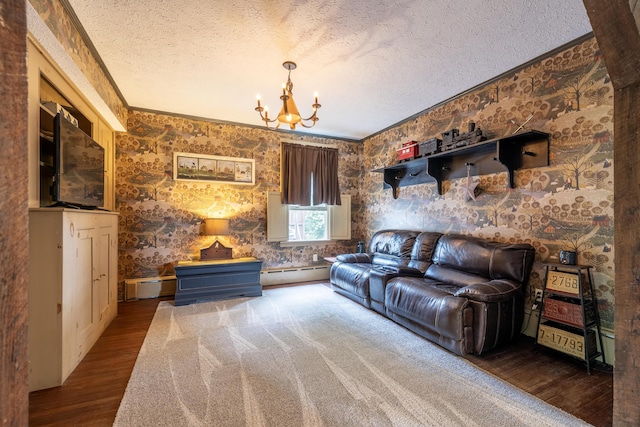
[{"x": 312, "y": 144}]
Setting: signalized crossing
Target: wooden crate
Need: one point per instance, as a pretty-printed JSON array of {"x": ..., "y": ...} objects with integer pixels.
[{"x": 566, "y": 312}]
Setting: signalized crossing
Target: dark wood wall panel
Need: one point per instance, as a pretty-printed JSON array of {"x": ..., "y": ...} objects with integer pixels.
[
  {"x": 13, "y": 214},
  {"x": 627, "y": 202},
  {"x": 616, "y": 31}
]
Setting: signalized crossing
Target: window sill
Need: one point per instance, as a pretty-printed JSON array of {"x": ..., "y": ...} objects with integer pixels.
[{"x": 290, "y": 243}]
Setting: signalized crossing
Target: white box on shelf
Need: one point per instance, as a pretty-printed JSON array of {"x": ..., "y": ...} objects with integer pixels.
[{"x": 54, "y": 107}]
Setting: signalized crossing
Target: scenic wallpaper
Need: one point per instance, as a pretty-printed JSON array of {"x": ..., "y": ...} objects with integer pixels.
[
  {"x": 160, "y": 218},
  {"x": 567, "y": 205}
]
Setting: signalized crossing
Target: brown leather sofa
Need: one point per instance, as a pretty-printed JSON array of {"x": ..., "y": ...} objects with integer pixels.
[{"x": 461, "y": 292}]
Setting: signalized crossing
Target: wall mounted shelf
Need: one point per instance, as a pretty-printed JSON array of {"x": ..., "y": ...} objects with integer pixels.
[{"x": 524, "y": 150}]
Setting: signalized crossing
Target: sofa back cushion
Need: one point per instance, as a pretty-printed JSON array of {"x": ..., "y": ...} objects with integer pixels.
[
  {"x": 485, "y": 258},
  {"x": 452, "y": 276},
  {"x": 392, "y": 247},
  {"x": 422, "y": 251}
]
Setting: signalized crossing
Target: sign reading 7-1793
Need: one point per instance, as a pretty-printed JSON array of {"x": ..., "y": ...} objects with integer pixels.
[
  {"x": 564, "y": 341},
  {"x": 563, "y": 282}
]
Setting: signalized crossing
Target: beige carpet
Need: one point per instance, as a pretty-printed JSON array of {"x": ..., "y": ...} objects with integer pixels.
[{"x": 305, "y": 356}]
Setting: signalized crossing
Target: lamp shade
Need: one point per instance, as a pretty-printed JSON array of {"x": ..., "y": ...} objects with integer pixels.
[
  {"x": 216, "y": 226},
  {"x": 291, "y": 114}
]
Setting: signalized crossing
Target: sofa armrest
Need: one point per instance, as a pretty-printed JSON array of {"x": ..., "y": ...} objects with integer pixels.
[
  {"x": 355, "y": 258},
  {"x": 378, "y": 278},
  {"x": 492, "y": 291}
]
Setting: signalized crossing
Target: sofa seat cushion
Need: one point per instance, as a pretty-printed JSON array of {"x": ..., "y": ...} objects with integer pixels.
[
  {"x": 491, "y": 291},
  {"x": 429, "y": 303}
]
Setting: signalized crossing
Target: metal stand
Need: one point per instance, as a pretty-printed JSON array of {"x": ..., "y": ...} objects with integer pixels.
[{"x": 569, "y": 313}]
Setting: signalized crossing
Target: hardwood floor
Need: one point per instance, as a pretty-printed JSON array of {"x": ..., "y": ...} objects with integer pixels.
[
  {"x": 557, "y": 379},
  {"x": 92, "y": 394}
]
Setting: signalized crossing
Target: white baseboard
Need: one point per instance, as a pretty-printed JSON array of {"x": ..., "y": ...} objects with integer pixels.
[{"x": 608, "y": 337}]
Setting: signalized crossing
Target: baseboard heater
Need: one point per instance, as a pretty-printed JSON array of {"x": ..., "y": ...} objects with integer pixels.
[
  {"x": 281, "y": 276},
  {"x": 154, "y": 287},
  {"x": 149, "y": 287}
]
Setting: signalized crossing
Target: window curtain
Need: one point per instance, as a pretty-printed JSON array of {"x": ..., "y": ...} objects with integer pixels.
[{"x": 309, "y": 175}]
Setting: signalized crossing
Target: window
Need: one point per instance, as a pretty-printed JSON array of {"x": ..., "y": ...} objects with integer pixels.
[
  {"x": 297, "y": 224},
  {"x": 308, "y": 223}
]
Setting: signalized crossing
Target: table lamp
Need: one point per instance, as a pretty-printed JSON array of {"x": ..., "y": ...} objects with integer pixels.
[{"x": 216, "y": 227}]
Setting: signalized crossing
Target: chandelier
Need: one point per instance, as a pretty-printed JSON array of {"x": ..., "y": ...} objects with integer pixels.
[{"x": 289, "y": 112}]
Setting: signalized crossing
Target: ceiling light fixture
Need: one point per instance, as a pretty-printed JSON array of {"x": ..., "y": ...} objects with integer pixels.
[{"x": 289, "y": 112}]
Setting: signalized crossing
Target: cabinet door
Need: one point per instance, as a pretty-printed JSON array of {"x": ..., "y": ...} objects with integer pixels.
[
  {"x": 83, "y": 307},
  {"x": 72, "y": 282},
  {"x": 103, "y": 280}
]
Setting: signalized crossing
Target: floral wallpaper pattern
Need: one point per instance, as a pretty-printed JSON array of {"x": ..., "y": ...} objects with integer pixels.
[
  {"x": 160, "y": 218},
  {"x": 54, "y": 15},
  {"x": 568, "y": 205}
]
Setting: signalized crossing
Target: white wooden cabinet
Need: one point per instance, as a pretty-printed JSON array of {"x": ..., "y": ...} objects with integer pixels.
[{"x": 72, "y": 288}]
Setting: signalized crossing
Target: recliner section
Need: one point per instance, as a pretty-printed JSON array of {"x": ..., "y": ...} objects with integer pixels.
[
  {"x": 349, "y": 275},
  {"x": 461, "y": 292}
]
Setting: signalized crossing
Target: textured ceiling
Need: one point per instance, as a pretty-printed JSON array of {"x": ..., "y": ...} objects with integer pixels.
[{"x": 373, "y": 63}]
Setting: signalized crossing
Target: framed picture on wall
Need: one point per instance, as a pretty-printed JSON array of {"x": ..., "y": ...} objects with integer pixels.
[{"x": 206, "y": 168}]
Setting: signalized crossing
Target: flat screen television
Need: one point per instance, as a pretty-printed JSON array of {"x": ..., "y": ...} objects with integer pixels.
[{"x": 79, "y": 167}]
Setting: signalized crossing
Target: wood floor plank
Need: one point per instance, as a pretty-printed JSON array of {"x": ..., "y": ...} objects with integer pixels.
[{"x": 92, "y": 394}]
